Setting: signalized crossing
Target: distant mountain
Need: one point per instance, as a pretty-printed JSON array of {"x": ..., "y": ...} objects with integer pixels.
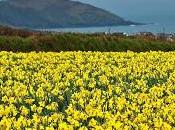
[{"x": 55, "y": 14}]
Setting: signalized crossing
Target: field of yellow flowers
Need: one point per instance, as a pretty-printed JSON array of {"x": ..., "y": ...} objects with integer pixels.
[{"x": 87, "y": 90}]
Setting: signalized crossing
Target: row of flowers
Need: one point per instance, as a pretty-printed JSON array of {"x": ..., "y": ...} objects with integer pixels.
[{"x": 87, "y": 90}]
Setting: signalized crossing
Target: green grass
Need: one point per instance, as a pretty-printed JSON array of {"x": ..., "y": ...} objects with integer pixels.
[{"x": 83, "y": 42}]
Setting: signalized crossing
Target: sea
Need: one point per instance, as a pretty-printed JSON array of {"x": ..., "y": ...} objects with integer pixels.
[{"x": 152, "y": 23}]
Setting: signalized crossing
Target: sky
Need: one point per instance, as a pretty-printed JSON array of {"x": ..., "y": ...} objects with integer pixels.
[{"x": 132, "y": 9}]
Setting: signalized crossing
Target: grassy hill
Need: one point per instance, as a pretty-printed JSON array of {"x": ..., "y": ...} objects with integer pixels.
[{"x": 55, "y": 14}]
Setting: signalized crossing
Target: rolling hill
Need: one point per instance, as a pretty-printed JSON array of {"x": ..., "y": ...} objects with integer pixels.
[{"x": 55, "y": 14}]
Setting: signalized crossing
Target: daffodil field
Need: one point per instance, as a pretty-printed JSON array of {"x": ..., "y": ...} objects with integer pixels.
[{"x": 87, "y": 90}]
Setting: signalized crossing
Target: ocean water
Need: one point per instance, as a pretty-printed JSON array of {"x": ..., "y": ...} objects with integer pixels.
[{"x": 154, "y": 23}]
